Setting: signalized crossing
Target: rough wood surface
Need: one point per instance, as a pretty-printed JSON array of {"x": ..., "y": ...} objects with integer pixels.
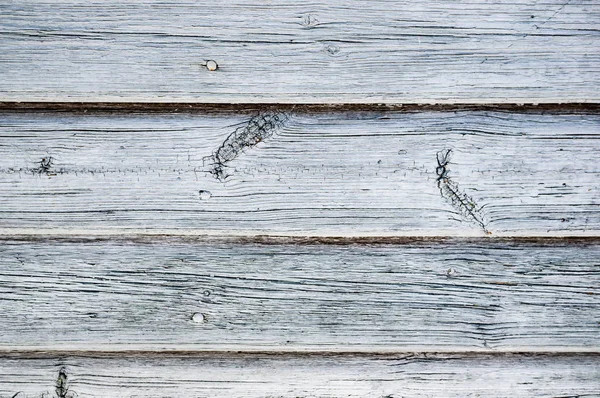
[
  {"x": 295, "y": 173},
  {"x": 131, "y": 255},
  {"x": 457, "y": 296},
  {"x": 408, "y": 375},
  {"x": 301, "y": 51}
]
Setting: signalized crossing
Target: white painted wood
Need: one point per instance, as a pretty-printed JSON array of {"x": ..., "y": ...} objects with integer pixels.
[
  {"x": 411, "y": 375},
  {"x": 457, "y": 296},
  {"x": 321, "y": 174},
  {"x": 301, "y": 51}
]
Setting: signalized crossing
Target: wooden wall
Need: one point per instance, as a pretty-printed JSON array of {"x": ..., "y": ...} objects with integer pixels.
[{"x": 299, "y": 199}]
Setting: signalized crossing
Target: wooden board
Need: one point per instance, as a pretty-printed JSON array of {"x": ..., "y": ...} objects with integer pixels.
[
  {"x": 295, "y": 173},
  {"x": 174, "y": 294},
  {"x": 301, "y": 51},
  {"x": 404, "y": 375}
]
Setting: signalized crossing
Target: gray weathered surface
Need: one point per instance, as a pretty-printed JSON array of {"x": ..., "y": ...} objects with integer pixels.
[
  {"x": 328, "y": 174},
  {"x": 407, "y": 375},
  {"x": 301, "y": 51},
  {"x": 215, "y": 252},
  {"x": 424, "y": 296}
]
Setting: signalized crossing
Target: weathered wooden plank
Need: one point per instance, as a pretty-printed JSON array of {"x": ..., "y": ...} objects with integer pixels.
[
  {"x": 296, "y": 173},
  {"x": 411, "y": 375},
  {"x": 301, "y": 51},
  {"x": 458, "y": 296}
]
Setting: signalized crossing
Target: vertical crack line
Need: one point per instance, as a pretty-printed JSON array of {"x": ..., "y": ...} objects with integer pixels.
[
  {"x": 257, "y": 129},
  {"x": 464, "y": 204}
]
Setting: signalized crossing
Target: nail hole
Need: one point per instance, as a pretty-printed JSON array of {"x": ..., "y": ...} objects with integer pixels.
[
  {"x": 198, "y": 318},
  {"x": 204, "y": 195},
  {"x": 211, "y": 65}
]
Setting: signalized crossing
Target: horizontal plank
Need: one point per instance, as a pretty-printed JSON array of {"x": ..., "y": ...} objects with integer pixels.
[
  {"x": 166, "y": 294},
  {"x": 345, "y": 173},
  {"x": 302, "y": 51},
  {"x": 411, "y": 375}
]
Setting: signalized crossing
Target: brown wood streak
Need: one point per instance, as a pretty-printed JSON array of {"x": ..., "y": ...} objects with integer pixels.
[
  {"x": 249, "y": 108},
  {"x": 124, "y": 237},
  {"x": 246, "y": 353}
]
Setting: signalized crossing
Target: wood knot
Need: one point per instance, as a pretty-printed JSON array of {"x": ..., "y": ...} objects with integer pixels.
[
  {"x": 309, "y": 21},
  {"x": 332, "y": 50}
]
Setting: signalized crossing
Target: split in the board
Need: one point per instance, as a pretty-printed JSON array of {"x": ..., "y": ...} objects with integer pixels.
[
  {"x": 449, "y": 189},
  {"x": 257, "y": 129}
]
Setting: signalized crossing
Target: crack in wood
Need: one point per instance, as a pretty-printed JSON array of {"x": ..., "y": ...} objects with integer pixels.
[
  {"x": 461, "y": 201},
  {"x": 257, "y": 129}
]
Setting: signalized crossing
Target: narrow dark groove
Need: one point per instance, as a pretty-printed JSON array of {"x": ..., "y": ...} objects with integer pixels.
[
  {"x": 249, "y": 108},
  {"x": 240, "y": 354},
  {"x": 540, "y": 241}
]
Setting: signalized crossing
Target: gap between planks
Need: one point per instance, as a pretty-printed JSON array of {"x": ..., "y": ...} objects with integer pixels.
[
  {"x": 195, "y": 236},
  {"x": 248, "y": 107},
  {"x": 237, "y": 351}
]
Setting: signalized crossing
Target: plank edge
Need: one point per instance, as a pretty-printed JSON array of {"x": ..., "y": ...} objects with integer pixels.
[{"x": 314, "y": 107}]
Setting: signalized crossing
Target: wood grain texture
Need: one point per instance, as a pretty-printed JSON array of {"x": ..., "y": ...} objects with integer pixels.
[
  {"x": 301, "y": 51},
  {"x": 457, "y": 296},
  {"x": 318, "y": 174},
  {"x": 410, "y": 375}
]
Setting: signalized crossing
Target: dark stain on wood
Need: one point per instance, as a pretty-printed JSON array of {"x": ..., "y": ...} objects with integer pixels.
[{"x": 538, "y": 241}]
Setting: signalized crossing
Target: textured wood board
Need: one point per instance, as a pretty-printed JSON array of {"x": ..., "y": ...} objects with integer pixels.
[
  {"x": 457, "y": 296},
  {"x": 131, "y": 255},
  {"x": 411, "y": 375},
  {"x": 301, "y": 51},
  {"x": 321, "y": 174}
]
